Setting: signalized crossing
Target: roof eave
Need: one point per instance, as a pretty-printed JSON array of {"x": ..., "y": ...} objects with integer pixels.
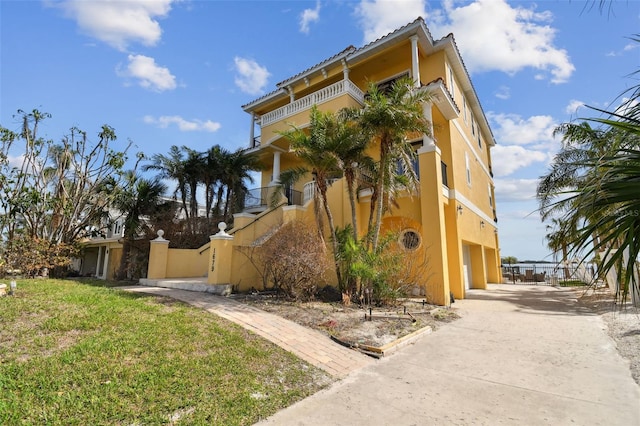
[
  {"x": 269, "y": 97},
  {"x": 448, "y": 44},
  {"x": 442, "y": 99}
]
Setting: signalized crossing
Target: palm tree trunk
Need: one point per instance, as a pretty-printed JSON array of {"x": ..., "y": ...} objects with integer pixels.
[
  {"x": 382, "y": 176},
  {"x": 332, "y": 228},
  {"x": 351, "y": 190}
]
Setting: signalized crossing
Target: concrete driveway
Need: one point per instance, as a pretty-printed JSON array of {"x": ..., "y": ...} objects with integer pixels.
[{"x": 520, "y": 355}]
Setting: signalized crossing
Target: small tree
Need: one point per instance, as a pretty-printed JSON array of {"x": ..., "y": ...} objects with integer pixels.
[
  {"x": 509, "y": 260},
  {"x": 294, "y": 260},
  {"x": 57, "y": 191},
  {"x": 388, "y": 117},
  {"x": 316, "y": 148},
  {"x": 139, "y": 198}
]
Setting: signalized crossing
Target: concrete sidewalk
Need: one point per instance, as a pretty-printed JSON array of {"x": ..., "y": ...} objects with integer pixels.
[
  {"x": 313, "y": 346},
  {"x": 519, "y": 355}
]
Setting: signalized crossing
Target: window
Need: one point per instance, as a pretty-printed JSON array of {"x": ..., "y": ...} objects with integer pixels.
[
  {"x": 473, "y": 125},
  {"x": 385, "y": 85},
  {"x": 117, "y": 228},
  {"x": 479, "y": 141},
  {"x": 415, "y": 165},
  {"x": 443, "y": 170},
  {"x": 466, "y": 164},
  {"x": 410, "y": 239}
]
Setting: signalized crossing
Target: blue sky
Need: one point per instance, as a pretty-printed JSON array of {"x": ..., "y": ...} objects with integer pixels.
[{"x": 168, "y": 72}]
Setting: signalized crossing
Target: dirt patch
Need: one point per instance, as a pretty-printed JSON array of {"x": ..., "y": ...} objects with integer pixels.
[
  {"x": 623, "y": 324},
  {"x": 375, "y": 326}
]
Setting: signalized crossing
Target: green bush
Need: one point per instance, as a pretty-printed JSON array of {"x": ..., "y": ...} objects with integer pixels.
[{"x": 34, "y": 257}]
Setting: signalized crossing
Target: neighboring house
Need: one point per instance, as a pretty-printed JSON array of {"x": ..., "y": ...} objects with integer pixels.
[
  {"x": 451, "y": 223},
  {"x": 102, "y": 252}
]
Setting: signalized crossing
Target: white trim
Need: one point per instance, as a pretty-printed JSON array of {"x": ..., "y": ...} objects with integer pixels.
[
  {"x": 442, "y": 99},
  {"x": 428, "y": 148},
  {"x": 473, "y": 150},
  {"x": 456, "y": 195},
  {"x": 294, "y": 207}
]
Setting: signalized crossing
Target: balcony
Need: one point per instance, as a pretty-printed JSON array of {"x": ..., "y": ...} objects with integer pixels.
[{"x": 343, "y": 87}]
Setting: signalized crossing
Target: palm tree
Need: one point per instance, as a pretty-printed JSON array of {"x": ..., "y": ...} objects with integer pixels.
[
  {"x": 237, "y": 167},
  {"x": 600, "y": 190},
  {"x": 349, "y": 147},
  {"x": 194, "y": 170},
  {"x": 389, "y": 117},
  {"x": 140, "y": 197},
  {"x": 580, "y": 142},
  {"x": 171, "y": 166},
  {"x": 610, "y": 201},
  {"x": 316, "y": 149},
  {"x": 561, "y": 237},
  {"x": 212, "y": 176}
]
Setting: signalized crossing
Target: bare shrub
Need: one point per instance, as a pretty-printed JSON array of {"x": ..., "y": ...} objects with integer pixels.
[{"x": 295, "y": 260}]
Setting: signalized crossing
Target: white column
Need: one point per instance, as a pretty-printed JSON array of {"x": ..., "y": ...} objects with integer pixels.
[
  {"x": 428, "y": 141},
  {"x": 291, "y": 95},
  {"x": 98, "y": 261},
  {"x": 345, "y": 70},
  {"x": 415, "y": 66},
  {"x": 276, "y": 167},
  {"x": 251, "y": 132},
  {"x": 105, "y": 264}
]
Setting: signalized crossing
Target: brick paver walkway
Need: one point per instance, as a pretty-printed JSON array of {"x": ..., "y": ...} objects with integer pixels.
[{"x": 308, "y": 344}]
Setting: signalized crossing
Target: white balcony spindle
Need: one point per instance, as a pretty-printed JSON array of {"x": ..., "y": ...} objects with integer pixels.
[{"x": 323, "y": 95}]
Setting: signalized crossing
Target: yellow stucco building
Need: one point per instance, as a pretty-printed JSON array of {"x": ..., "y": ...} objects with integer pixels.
[{"x": 451, "y": 222}]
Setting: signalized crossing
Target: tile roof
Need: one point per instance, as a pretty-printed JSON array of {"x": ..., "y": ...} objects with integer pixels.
[
  {"x": 343, "y": 53},
  {"x": 352, "y": 51}
]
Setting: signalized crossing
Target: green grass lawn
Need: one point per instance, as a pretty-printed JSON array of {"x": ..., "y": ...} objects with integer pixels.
[{"x": 77, "y": 352}]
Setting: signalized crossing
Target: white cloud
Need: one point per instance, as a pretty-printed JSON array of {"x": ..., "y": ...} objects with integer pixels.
[
  {"x": 508, "y": 159},
  {"x": 380, "y": 17},
  {"x": 149, "y": 75},
  {"x": 308, "y": 16},
  {"x": 517, "y": 38},
  {"x": 15, "y": 161},
  {"x": 193, "y": 125},
  {"x": 251, "y": 78},
  {"x": 627, "y": 106},
  {"x": 573, "y": 106},
  {"x": 513, "y": 129},
  {"x": 119, "y": 23},
  {"x": 503, "y": 93},
  {"x": 628, "y": 47},
  {"x": 508, "y": 190}
]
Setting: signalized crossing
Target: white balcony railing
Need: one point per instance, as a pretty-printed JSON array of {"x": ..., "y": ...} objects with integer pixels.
[
  {"x": 308, "y": 192},
  {"x": 323, "y": 95}
]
